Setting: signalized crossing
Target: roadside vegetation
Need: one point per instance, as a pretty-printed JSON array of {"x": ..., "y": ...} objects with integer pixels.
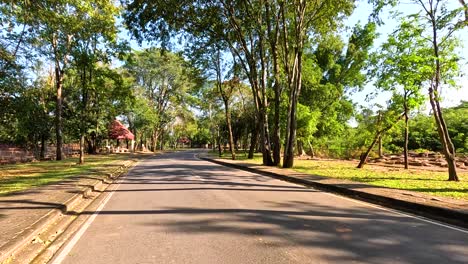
[
  {"x": 18, "y": 177},
  {"x": 430, "y": 180},
  {"x": 269, "y": 77}
]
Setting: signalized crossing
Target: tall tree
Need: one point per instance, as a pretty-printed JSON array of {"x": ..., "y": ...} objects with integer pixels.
[
  {"x": 300, "y": 20},
  {"x": 165, "y": 79},
  {"x": 236, "y": 24},
  {"x": 401, "y": 68},
  {"x": 57, "y": 25},
  {"x": 93, "y": 44},
  {"x": 442, "y": 22}
]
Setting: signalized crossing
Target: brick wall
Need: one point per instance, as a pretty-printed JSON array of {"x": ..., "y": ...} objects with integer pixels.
[{"x": 13, "y": 154}]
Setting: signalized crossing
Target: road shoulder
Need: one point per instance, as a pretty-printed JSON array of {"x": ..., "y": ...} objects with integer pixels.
[{"x": 450, "y": 211}]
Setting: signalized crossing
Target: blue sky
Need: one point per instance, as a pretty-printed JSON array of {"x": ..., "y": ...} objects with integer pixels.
[{"x": 451, "y": 96}]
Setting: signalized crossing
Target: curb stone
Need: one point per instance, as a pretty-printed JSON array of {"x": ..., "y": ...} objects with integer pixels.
[
  {"x": 30, "y": 235},
  {"x": 449, "y": 216}
]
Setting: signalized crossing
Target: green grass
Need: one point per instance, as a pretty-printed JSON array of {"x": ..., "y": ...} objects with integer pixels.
[
  {"x": 426, "y": 180},
  {"x": 415, "y": 179},
  {"x": 24, "y": 176}
]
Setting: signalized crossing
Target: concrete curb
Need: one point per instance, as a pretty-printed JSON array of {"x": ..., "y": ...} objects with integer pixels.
[
  {"x": 27, "y": 235},
  {"x": 452, "y": 217}
]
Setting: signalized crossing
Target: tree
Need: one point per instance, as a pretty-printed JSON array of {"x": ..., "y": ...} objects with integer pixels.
[
  {"x": 332, "y": 69},
  {"x": 166, "y": 79},
  {"x": 383, "y": 122},
  {"x": 215, "y": 22},
  {"x": 57, "y": 27},
  {"x": 301, "y": 18},
  {"x": 306, "y": 127},
  {"x": 226, "y": 90},
  {"x": 442, "y": 23},
  {"x": 401, "y": 68},
  {"x": 91, "y": 45}
]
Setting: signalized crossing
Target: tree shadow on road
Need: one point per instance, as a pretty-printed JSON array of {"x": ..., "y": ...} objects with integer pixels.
[{"x": 336, "y": 234}]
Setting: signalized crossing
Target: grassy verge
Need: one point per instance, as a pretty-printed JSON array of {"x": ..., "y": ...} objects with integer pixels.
[
  {"x": 430, "y": 181},
  {"x": 19, "y": 177}
]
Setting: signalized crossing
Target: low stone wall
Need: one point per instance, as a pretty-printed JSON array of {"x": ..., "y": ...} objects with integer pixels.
[
  {"x": 13, "y": 154},
  {"x": 420, "y": 160}
]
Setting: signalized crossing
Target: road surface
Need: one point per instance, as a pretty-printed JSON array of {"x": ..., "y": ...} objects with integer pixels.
[{"x": 175, "y": 208}]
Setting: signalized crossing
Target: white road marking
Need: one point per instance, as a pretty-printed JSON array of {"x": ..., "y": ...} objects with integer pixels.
[
  {"x": 66, "y": 250},
  {"x": 400, "y": 213},
  {"x": 384, "y": 208},
  {"x": 63, "y": 254}
]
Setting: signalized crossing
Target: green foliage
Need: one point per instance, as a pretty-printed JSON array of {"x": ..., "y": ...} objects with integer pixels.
[
  {"x": 403, "y": 64},
  {"x": 201, "y": 137},
  {"x": 306, "y": 123},
  {"x": 331, "y": 70},
  {"x": 163, "y": 83}
]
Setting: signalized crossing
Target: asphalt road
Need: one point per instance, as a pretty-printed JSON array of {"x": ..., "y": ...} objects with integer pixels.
[{"x": 175, "y": 208}]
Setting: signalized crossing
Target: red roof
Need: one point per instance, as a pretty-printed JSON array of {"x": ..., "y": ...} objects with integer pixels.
[{"x": 119, "y": 131}]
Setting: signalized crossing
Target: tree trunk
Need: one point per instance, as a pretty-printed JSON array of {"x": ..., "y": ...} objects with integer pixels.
[
  {"x": 380, "y": 148},
  {"x": 273, "y": 32},
  {"x": 378, "y": 135},
  {"x": 253, "y": 141},
  {"x": 288, "y": 160},
  {"x": 154, "y": 140},
  {"x": 220, "y": 150},
  {"x": 364, "y": 156},
  {"x": 300, "y": 148},
  {"x": 58, "y": 114},
  {"x": 229, "y": 125},
  {"x": 42, "y": 151},
  {"x": 82, "y": 139},
  {"x": 405, "y": 147},
  {"x": 276, "y": 130},
  {"x": 265, "y": 137},
  {"x": 89, "y": 144},
  {"x": 447, "y": 145},
  {"x": 311, "y": 149},
  {"x": 379, "y": 119}
]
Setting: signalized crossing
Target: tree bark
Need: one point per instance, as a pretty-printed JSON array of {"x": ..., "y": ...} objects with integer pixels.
[
  {"x": 300, "y": 148},
  {"x": 294, "y": 73},
  {"x": 265, "y": 137},
  {"x": 220, "y": 150},
  {"x": 155, "y": 140},
  {"x": 229, "y": 125},
  {"x": 161, "y": 141},
  {"x": 380, "y": 148},
  {"x": 58, "y": 114},
  {"x": 380, "y": 138},
  {"x": 365, "y": 156},
  {"x": 288, "y": 160},
  {"x": 82, "y": 142},
  {"x": 274, "y": 34},
  {"x": 42, "y": 151},
  {"x": 405, "y": 147},
  {"x": 447, "y": 145},
  {"x": 253, "y": 141},
  {"x": 311, "y": 149}
]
